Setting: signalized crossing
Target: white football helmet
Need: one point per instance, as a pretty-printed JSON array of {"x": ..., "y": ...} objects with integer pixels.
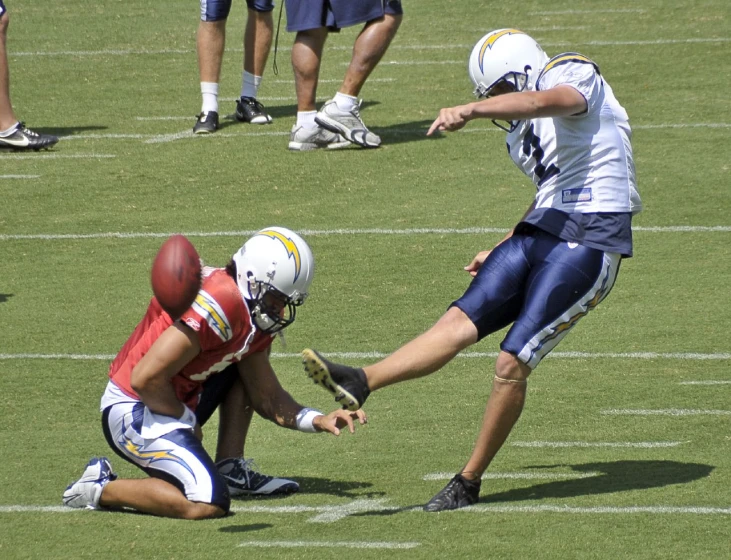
[
  {"x": 274, "y": 270},
  {"x": 506, "y": 57}
]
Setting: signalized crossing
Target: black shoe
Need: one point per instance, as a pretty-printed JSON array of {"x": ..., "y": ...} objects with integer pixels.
[
  {"x": 251, "y": 111},
  {"x": 459, "y": 493},
  {"x": 25, "y": 139},
  {"x": 207, "y": 123},
  {"x": 348, "y": 384}
]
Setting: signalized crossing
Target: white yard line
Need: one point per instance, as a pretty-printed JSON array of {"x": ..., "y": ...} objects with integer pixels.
[
  {"x": 56, "y": 156},
  {"x": 516, "y": 476},
  {"x": 379, "y": 355},
  {"x": 328, "y": 544},
  {"x": 665, "y": 412},
  {"x": 346, "y": 48},
  {"x": 613, "y": 444},
  {"x": 717, "y": 382},
  {"x": 20, "y": 176},
  {"x": 478, "y": 508},
  {"x": 691, "y": 510},
  {"x": 365, "y": 231},
  {"x": 598, "y": 11}
]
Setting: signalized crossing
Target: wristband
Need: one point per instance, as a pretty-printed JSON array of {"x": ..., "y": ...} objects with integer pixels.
[
  {"x": 305, "y": 418},
  {"x": 188, "y": 417}
]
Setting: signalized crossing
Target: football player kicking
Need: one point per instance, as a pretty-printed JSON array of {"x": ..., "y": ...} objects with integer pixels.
[
  {"x": 169, "y": 377},
  {"x": 567, "y": 132}
]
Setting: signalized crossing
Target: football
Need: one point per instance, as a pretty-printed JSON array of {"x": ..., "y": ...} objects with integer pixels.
[{"x": 176, "y": 275}]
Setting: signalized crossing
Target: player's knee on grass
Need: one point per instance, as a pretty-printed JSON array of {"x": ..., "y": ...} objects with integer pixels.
[{"x": 197, "y": 511}]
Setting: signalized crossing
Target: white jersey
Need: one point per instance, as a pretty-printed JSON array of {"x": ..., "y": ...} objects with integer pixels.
[{"x": 581, "y": 163}]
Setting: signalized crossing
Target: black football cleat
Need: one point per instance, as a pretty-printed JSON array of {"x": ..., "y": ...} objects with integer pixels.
[
  {"x": 458, "y": 493},
  {"x": 206, "y": 123},
  {"x": 251, "y": 111},
  {"x": 23, "y": 138},
  {"x": 348, "y": 384}
]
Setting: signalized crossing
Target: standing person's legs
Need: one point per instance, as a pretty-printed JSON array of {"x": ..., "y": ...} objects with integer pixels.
[
  {"x": 257, "y": 43},
  {"x": 370, "y": 46},
  {"x": 306, "y": 58},
  {"x": 564, "y": 283},
  {"x": 341, "y": 114},
  {"x": 13, "y": 134},
  {"x": 210, "y": 44},
  {"x": 7, "y": 117}
]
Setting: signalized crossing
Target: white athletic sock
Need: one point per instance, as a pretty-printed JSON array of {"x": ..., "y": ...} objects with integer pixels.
[
  {"x": 209, "y": 92},
  {"x": 306, "y": 119},
  {"x": 8, "y": 132},
  {"x": 250, "y": 85},
  {"x": 345, "y": 102}
]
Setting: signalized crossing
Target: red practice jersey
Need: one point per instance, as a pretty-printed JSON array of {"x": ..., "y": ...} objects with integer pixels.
[{"x": 221, "y": 320}]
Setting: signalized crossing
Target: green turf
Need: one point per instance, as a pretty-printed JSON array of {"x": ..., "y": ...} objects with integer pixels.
[{"x": 373, "y": 291}]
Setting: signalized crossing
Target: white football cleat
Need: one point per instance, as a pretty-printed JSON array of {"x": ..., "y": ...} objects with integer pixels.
[
  {"x": 347, "y": 123},
  {"x": 86, "y": 492}
]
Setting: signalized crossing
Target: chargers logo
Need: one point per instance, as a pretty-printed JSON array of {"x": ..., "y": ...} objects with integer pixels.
[
  {"x": 490, "y": 41},
  {"x": 211, "y": 311},
  {"x": 135, "y": 450},
  {"x": 289, "y": 245}
]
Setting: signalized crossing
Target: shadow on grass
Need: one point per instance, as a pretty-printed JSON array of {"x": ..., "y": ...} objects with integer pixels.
[
  {"x": 616, "y": 476},
  {"x": 62, "y": 131},
  {"x": 5, "y": 297},
  {"x": 338, "y": 488},
  {"x": 246, "y": 528}
]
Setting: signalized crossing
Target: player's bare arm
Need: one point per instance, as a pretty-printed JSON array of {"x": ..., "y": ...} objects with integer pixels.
[
  {"x": 271, "y": 401},
  {"x": 175, "y": 347},
  {"x": 561, "y": 101}
]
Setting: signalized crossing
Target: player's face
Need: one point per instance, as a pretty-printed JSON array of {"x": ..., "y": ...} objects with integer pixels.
[
  {"x": 274, "y": 303},
  {"x": 501, "y": 88}
]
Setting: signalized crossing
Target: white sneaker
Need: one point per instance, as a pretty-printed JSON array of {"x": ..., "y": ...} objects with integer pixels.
[
  {"x": 347, "y": 123},
  {"x": 86, "y": 492},
  {"x": 242, "y": 479},
  {"x": 304, "y": 139}
]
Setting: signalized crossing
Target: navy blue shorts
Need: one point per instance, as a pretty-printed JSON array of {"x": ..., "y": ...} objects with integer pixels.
[
  {"x": 3, "y": 9},
  {"x": 542, "y": 285},
  {"x": 217, "y": 10},
  {"x": 303, "y": 15}
]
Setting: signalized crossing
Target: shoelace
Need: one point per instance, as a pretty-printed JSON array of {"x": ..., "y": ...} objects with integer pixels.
[
  {"x": 28, "y": 131},
  {"x": 251, "y": 102},
  {"x": 245, "y": 468}
]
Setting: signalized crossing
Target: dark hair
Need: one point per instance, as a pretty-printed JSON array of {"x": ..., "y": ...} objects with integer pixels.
[{"x": 231, "y": 269}]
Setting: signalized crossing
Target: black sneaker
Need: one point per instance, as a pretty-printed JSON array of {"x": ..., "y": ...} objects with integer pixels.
[
  {"x": 207, "y": 123},
  {"x": 243, "y": 480},
  {"x": 24, "y": 138},
  {"x": 251, "y": 111},
  {"x": 458, "y": 493},
  {"x": 348, "y": 384}
]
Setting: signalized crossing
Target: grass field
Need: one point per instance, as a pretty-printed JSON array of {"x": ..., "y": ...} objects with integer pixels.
[{"x": 624, "y": 447}]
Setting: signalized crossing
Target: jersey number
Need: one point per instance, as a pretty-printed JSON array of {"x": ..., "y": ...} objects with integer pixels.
[{"x": 532, "y": 147}]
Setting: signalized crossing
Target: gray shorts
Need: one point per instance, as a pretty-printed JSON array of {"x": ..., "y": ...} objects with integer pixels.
[{"x": 303, "y": 15}]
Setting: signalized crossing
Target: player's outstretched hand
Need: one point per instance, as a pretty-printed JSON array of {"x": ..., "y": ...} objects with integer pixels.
[
  {"x": 476, "y": 263},
  {"x": 339, "y": 419},
  {"x": 451, "y": 119}
]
